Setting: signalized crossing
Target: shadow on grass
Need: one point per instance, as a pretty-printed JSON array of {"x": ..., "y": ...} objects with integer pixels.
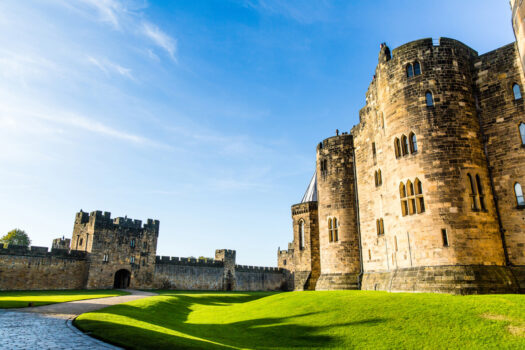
[{"x": 172, "y": 314}]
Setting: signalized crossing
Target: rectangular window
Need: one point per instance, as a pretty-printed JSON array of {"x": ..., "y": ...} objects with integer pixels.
[
  {"x": 374, "y": 149},
  {"x": 411, "y": 206},
  {"x": 404, "y": 207},
  {"x": 395, "y": 242},
  {"x": 445, "y": 237},
  {"x": 369, "y": 255},
  {"x": 132, "y": 260}
]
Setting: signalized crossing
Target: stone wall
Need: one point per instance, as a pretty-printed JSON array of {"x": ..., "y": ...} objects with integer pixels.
[
  {"x": 501, "y": 114},
  {"x": 250, "y": 278},
  {"x": 37, "y": 269},
  {"x": 455, "y": 279},
  {"x": 518, "y": 24},
  {"x": 193, "y": 274},
  {"x": 188, "y": 274}
]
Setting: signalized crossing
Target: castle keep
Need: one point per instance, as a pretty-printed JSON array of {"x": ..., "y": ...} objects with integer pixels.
[
  {"x": 425, "y": 193},
  {"x": 120, "y": 253}
]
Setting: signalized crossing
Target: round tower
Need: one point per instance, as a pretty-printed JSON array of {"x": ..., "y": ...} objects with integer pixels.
[
  {"x": 438, "y": 228},
  {"x": 338, "y": 238}
]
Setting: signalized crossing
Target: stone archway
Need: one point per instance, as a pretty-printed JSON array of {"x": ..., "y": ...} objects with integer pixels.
[
  {"x": 228, "y": 281},
  {"x": 122, "y": 279}
]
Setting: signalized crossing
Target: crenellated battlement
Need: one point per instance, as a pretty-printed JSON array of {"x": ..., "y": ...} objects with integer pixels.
[
  {"x": 175, "y": 260},
  {"x": 246, "y": 268},
  {"x": 101, "y": 219},
  {"x": 35, "y": 251}
]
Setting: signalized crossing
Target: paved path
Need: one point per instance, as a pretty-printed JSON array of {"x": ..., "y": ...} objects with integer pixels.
[{"x": 50, "y": 326}]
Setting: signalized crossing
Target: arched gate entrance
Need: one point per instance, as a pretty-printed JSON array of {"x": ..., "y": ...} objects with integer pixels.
[{"x": 122, "y": 278}]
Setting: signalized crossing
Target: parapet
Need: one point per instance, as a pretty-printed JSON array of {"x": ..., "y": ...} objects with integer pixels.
[
  {"x": 260, "y": 269},
  {"x": 174, "y": 260},
  {"x": 305, "y": 207},
  {"x": 344, "y": 138},
  {"x": 42, "y": 252},
  {"x": 99, "y": 219}
]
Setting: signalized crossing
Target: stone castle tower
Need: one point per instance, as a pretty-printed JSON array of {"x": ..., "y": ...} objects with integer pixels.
[
  {"x": 339, "y": 254},
  {"x": 426, "y": 189},
  {"x": 121, "y": 244}
]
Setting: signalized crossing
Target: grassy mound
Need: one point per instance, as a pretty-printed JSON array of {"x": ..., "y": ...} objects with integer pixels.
[
  {"x": 344, "y": 319},
  {"x": 23, "y": 298}
]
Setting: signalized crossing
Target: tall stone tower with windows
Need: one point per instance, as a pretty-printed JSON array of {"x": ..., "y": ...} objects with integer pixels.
[
  {"x": 338, "y": 238},
  {"x": 426, "y": 193}
]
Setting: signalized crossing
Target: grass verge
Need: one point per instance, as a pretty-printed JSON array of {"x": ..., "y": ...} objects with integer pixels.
[
  {"x": 15, "y": 299},
  {"x": 341, "y": 319}
]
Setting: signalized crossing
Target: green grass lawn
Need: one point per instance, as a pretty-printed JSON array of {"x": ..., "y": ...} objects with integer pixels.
[
  {"x": 343, "y": 319},
  {"x": 23, "y": 298}
]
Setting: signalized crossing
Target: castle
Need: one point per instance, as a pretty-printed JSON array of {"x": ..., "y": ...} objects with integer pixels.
[
  {"x": 108, "y": 253},
  {"x": 425, "y": 193}
]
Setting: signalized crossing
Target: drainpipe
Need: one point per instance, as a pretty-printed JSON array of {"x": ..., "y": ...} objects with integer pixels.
[{"x": 358, "y": 224}]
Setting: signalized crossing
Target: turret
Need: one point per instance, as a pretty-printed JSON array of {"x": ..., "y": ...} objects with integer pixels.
[{"x": 338, "y": 238}]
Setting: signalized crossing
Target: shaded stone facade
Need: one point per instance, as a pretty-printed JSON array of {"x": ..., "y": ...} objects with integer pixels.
[
  {"x": 427, "y": 182},
  {"x": 108, "y": 253}
]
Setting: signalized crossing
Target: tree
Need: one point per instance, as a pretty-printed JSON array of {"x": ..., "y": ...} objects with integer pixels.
[{"x": 16, "y": 237}]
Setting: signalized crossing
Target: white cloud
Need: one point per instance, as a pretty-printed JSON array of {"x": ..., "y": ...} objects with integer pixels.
[
  {"x": 160, "y": 38},
  {"x": 108, "y": 10},
  {"x": 24, "y": 117},
  {"x": 109, "y": 67}
]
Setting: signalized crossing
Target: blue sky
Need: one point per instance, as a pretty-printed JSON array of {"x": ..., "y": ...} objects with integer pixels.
[{"x": 202, "y": 114}]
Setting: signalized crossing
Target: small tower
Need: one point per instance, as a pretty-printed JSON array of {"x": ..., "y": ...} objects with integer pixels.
[
  {"x": 338, "y": 237},
  {"x": 227, "y": 256},
  {"x": 306, "y": 264}
]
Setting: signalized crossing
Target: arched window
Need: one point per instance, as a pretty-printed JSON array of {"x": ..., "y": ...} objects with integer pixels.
[
  {"x": 430, "y": 99},
  {"x": 410, "y": 71},
  {"x": 403, "y": 197},
  {"x": 80, "y": 242},
  {"x": 522, "y": 133},
  {"x": 413, "y": 143},
  {"x": 411, "y": 198},
  {"x": 404, "y": 145},
  {"x": 519, "y": 195},
  {"x": 420, "y": 202},
  {"x": 481, "y": 196},
  {"x": 417, "y": 68},
  {"x": 330, "y": 230},
  {"x": 397, "y": 147},
  {"x": 301, "y": 234},
  {"x": 336, "y": 229},
  {"x": 376, "y": 179},
  {"x": 132, "y": 243},
  {"x": 473, "y": 193},
  {"x": 379, "y": 177},
  {"x": 517, "y": 91}
]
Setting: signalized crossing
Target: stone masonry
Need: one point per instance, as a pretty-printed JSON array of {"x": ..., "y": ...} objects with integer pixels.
[
  {"x": 120, "y": 253},
  {"x": 425, "y": 187}
]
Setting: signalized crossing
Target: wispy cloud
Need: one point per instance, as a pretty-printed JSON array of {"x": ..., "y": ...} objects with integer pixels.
[
  {"x": 161, "y": 39},
  {"x": 20, "y": 117},
  {"x": 109, "y": 67},
  {"x": 305, "y": 12}
]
